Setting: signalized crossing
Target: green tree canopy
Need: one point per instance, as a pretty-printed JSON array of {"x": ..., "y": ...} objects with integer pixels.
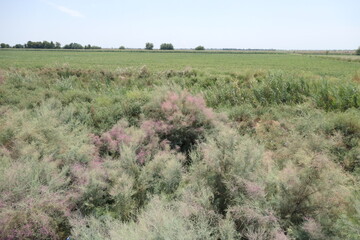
[
  {"x": 200, "y": 48},
  {"x": 149, "y": 46},
  {"x": 166, "y": 46},
  {"x": 4, "y": 45},
  {"x": 73, "y": 46}
]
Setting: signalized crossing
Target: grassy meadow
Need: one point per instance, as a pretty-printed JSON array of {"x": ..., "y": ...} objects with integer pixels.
[
  {"x": 178, "y": 145},
  {"x": 207, "y": 61}
]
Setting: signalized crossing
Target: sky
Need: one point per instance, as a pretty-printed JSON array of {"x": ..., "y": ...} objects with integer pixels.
[{"x": 255, "y": 24}]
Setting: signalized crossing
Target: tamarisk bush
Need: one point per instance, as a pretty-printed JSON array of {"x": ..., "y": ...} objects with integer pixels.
[{"x": 178, "y": 117}]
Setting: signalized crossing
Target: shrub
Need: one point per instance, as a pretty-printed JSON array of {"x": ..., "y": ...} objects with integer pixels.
[
  {"x": 163, "y": 174},
  {"x": 166, "y": 46},
  {"x": 312, "y": 188},
  {"x": 229, "y": 165},
  {"x": 199, "y": 48},
  {"x": 162, "y": 220},
  {"x": 121, "y": 47},
  {"x": 39, "y": 218},
  {"x": 347, "y": 225},
  {"x": 159, "y": 220},
  {"x": 178, "y": 117},
  {"x": 37, "y": 149},
  {"x": 110, "y": 142},
  {"x": 348, "y": 149},
  {"x": 47, "y": 132}
]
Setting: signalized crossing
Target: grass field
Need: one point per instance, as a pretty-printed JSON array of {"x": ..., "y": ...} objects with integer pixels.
[
  {"x": 205, "y": 61},
  {"x": 175, "y": 145}
]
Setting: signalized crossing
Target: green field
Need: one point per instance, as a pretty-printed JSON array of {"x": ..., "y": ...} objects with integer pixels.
[
  {"x": 179, "y": 145},
  {"x": 205, "y": 61}
]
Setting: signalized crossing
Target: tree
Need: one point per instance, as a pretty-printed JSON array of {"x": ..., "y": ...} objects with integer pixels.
[
  {"x": 73, "y": 46},
  {"x": 57, "y": 45},
  {"x": 121, "y": 47},
  {"x": 358, "y": 51},
  {"x": 166, "y": 46},
  {"x": 149, "y": 46},
  {"x": 47, "y": 45},
  {"x": 19, "y": 46},
  {"x": 200, "y": 48},
  {"x": 4, "y": 45},
  {"x": 92, "y": 47}
]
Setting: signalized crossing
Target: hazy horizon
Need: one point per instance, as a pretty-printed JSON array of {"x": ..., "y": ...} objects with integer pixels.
[{"x": 283, "y": 25}]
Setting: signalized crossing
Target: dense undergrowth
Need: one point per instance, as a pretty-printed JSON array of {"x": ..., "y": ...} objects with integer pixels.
[{"x": 136, "y": 154}]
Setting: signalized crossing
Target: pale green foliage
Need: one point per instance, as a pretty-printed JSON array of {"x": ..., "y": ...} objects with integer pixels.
[
  {"x": 159, "y": 220},
  {"x": 227, "y": 163},
  {"x": 311, "y": 187},
  {"x": 47, "y": 133},
  {"x": 36, "y": 146},
  {"x": 163, "y": 174},
  {"x": 91, "y": 228},
  {"x": 348, "y": 225}
]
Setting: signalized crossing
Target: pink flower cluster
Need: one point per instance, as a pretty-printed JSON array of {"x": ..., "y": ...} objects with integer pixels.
[
  {"x": 111, "y": 141},
  {"x": 180, "y": 118},
  {"x": 185, "y": 109}
]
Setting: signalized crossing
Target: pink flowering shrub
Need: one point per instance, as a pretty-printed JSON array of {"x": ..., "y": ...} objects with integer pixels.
[
  {"x": 110, "y": 141},
  {"x": 175, "y": 119},
  {"x": 33, "y": 218},
  {"x": 178, "y": 117},
  {"x": 144, "y": 142}
]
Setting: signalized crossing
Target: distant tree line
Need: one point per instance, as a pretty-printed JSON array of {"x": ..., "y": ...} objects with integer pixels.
[
  {"x": 167, "y": 46},
  {"x": 43, "y": 45},
  {"x": 4, "y": 45},
  {"x": 163, "y": 46},
  {"x": 49, "y": 45}
]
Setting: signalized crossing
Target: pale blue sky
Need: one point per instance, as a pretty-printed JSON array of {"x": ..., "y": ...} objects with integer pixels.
[{"x": 278, "y": 24}]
